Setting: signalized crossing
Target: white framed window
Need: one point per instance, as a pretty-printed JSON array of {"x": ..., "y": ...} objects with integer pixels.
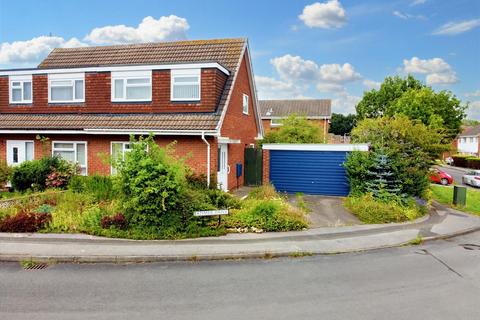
[
  {"x": 245, "y": 104},
  {"x": 73, "y": 151},
  {"x": 20, "y": 89},
  {"x": 19, "y": 151},
  {"x": 132, "y": 86},
  {"x": 276, "y": 122},
  {"x": 118, "y": 151},
  {"x": 185, "y": 85},
  {"x": 66, "y": 88}
]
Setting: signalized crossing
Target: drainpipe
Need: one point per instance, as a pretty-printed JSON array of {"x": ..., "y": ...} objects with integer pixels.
[{"x": 208, "y": 158}]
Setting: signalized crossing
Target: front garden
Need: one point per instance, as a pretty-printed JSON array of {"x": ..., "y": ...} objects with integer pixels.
[
  {"x": 444, "y": 195},
  {"x": 152, "y": 196}
]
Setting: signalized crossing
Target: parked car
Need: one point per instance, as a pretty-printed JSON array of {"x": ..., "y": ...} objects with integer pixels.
[
  {"x": 449, "y": 161},
  {"x": 472, "y": 178},
  {"x": 441, "y": 177}
]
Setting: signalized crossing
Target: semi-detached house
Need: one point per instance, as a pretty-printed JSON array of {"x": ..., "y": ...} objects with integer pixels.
[{"x": 88, "y": 101}]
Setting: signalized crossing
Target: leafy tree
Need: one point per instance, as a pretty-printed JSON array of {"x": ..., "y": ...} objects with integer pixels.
[
  {"x": 411, "y": 147},
  {"x": 295, "y": 129},
  {"x": 412, "y": 98},
  {"x": 377, "y": 103},
  {"x": 342, "y": 124}
]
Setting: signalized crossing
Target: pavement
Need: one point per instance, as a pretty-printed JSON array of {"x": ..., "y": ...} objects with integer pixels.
[
  {"x": 435, "y": 280},
  {"x": 443, "y": 222}
]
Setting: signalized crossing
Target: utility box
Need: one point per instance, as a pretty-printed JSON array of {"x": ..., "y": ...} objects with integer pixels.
[{"x": 459, "y": 196}]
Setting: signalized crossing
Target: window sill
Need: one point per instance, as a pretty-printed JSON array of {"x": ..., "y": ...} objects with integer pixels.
[
  {"x": 185, "y": 101},
  {"x": 20, "y": 104},
  {"x": 75, "y": 104},
  {"x": 132, "y": 102}
]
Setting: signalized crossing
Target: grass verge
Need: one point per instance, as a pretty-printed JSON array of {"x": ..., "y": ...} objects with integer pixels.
[{"x": 444, "y": 195}]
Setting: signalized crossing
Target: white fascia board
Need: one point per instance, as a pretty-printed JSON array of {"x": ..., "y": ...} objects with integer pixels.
[
  {"x": 316, "y": 147},
  {"x": 177, "y": 66},
  {"x": 228, "y": 140},
  {"x": 308, "y": 118},
  {"x": 115, "y": 132}
]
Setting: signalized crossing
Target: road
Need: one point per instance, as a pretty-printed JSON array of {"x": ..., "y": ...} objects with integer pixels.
[
  {"x": 437, "y": 280},
  {"x": 455, "y": 173}
]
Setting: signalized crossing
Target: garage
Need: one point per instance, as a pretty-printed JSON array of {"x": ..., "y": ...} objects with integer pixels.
[{"x": 310, "y": 168}]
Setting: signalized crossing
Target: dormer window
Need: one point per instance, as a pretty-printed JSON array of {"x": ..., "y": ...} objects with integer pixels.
[
  {"x": 185, "y": 85},
  {"x": 20, "y": 89},
  {"x": 132, "y": 86},
  {"x": 66, "y": 88}
]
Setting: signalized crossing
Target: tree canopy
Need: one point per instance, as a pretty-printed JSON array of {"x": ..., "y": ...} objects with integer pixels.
[
  {"x": 295, "y": 129},
  {"x": 342, "y": 124},
  {"x": 409, "y": 97}
]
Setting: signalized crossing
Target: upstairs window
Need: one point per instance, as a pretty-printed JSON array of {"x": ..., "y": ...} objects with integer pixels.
[
  {"x": 245, "y": 104},
  {"x": 66, "y": 88},
  {"x": 132, "y": 86},
  {"x": 185, "y": 85},
  {"x": 20, "y": 89}
]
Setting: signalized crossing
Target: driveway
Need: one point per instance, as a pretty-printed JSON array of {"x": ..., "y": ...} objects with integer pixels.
[{"x": 326, "y": 211}]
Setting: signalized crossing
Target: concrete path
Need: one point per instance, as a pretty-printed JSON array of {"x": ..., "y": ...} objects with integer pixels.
[
  {"x": 326, "y": 211},
  {"x": 83, "y": 248}
]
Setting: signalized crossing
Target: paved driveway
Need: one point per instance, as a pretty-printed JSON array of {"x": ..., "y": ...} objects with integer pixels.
[{"x": 326, "y": 211}]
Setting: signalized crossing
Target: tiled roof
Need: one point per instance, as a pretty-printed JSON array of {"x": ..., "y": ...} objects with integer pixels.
[
  {"x": 109, "y": 121},
  {"x": 471, "y": 131},
  {"x": 223, "y": 51},
  {"x": 302, "y": 107}
]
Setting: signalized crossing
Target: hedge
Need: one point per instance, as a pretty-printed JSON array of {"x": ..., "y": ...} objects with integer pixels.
[{"x": 466, "y": 161}]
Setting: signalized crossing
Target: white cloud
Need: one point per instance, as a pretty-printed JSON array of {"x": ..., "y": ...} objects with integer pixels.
[
  {"x": 32, "y": 51},
  {"x": 472, "y": 94},
  {"x": 370, "y": 84},
  {"x": 270, "y": 88},
  {"x": 437, "y": 70},
  {"x": 454, "y": 28},
  {"x": 417, "y": 2},
  {"x": 149, "y": 30},
  {"x": 330, "y": 87},
  {"x": 294, "y": 68},
  {"x": 326, "y": 15},
  {"x": 473, "y": 111},
  {"x": 345, "y": 103},
  {"x": 337, "y": 73},
  {"x": 406, "y": 16}
]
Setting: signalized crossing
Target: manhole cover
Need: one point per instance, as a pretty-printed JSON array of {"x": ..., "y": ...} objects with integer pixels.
[{"x": 469, "y": 246}]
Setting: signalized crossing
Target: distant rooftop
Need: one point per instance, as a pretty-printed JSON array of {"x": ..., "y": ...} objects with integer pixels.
[{"x": 310, "y": 108}]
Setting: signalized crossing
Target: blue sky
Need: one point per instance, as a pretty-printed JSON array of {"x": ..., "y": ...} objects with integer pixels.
[{"x": 326, "y": 49}]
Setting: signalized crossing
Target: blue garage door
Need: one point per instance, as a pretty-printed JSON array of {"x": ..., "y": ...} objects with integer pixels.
[{"x": 310, "y": 172}]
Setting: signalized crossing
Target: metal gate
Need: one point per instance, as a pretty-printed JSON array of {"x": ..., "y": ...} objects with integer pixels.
[{"x": 253, "y": 167}]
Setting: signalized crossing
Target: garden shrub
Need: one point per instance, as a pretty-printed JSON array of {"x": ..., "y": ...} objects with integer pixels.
[
  {"x": 34, "y": 174},
  {"x": 118, "y": 221},
  {"x": 151, "y": 182},
  {"x": 371, "y": 210},
  {"x": 264, "y": 192},
  {"x": 24, "y": 222},
  {"x": 67, "y": 216},
  {"x": 460, "y": 160},
  {"x": 268, "y": 215},
  {"x": 473, "y": 162},
  {"x": 5, "y": 172}
]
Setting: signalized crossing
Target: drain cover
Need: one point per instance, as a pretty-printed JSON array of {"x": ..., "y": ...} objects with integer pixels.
[
  {"x": 469, "y": 246},
  {"x": 34, "y": 266}
]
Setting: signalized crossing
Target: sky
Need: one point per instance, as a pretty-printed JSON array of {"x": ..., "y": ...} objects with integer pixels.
[{"x": 333, "y": 49}]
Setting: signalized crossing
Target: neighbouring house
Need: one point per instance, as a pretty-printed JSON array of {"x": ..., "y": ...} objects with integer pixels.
[
  {"x": 273, "y": 112},
  {"x": 84, "y": 103},
  {"x": 468, "y": 142}
]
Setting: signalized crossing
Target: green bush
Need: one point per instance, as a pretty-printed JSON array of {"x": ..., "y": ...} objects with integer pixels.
[
  {"x": 5, "y": 172},
  {"x": 34, "y": 174},
  {"x": 268, "y": 215},
  {"x": 151, "y": 182},
  {"x": 460, "y": 161},
  {"x": 370, "y": 210},
  {"x": 101, "y": 187},
  {"x": 473, "y": 162}
]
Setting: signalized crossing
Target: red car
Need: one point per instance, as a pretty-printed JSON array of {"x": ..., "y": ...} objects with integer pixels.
[{"x": 441, "y": 177}]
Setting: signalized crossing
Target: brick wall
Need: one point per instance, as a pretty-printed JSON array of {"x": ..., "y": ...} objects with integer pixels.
[
  {"x": 98, "y": 95},
  {"x": 192, "y": 149},
  {"x": 266, "y": 167},
  {"x": 238, "y": 125}
]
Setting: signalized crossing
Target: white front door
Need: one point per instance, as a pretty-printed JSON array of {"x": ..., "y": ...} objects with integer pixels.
[
  {"x": 223, "y": 167},
  {"x": 18, "y": 151}
]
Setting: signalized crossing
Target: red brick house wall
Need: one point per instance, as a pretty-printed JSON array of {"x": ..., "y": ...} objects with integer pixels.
[
  {"x": 98, "y": 95},
  {"x": 238, "y": 125}
]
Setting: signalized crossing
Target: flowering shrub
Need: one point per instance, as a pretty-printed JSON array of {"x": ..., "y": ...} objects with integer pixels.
[
  {"x": 61, "y": 174},
  {"x": 25, "y": 222}
]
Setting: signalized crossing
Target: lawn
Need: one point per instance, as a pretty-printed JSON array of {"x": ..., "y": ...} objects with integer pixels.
[{"x": 444, "y": 195}]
